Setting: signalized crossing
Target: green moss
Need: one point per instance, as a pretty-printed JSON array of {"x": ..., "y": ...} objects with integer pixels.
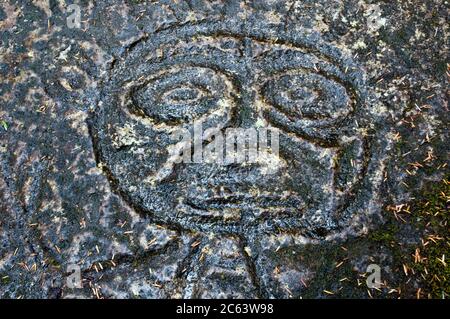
[
  {"x": 53, "y": 262},
  {"x": 4, "y": 124},
  {"x": 441, "y": 67},
  {"x": 431, "y": 214},
  {"x": 323, "y": 261},
  {"x": 4, "y": 279},
  {"x": 385, "y": 235}
]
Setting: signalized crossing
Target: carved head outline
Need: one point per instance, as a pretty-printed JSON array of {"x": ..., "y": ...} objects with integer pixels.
[{"x": 329, "y": 164}]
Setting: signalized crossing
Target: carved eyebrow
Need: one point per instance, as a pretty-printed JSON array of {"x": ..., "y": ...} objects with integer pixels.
[
  {"x": 267, "y": 47},
  {"x": 282, "y": 55},
  {"x": 276, "y": 63},
  {"x": 225, "y": 44},
  {"x": 226, "y": 66},
  {"x": 229, "y": 60},
  {"x": 279, "y": 59},
  {"x": 196, "y": 56},
  {"x": 209, "y": 44}
]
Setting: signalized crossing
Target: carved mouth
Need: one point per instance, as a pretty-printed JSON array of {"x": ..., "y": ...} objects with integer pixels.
[{"x": 268, "y": 202}]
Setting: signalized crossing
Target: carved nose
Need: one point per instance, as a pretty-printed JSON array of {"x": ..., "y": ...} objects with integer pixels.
[{"x": 247, "y": 108}]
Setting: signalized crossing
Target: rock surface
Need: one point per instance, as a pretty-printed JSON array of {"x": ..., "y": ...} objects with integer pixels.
[{"x": 358, "y": 92}]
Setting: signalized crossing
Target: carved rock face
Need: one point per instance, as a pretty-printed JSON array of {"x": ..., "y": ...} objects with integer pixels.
[{"x": 327, "y": 174}]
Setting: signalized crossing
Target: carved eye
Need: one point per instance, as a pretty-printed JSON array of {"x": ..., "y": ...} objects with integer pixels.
[
  {"x": 180, "y": 95},
  {"x": 307, "y": 96},
  {"x": 311, "y": 105}
]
